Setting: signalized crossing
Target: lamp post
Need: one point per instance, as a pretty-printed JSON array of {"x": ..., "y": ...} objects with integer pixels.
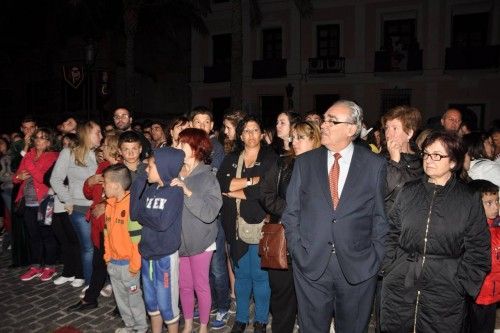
[{"x": 90, "y": 55}]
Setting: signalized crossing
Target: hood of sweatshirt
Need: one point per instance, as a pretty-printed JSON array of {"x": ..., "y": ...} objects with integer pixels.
[{"x": 168, "y": 162}]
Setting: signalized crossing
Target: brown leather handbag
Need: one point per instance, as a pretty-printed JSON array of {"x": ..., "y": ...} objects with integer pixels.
[{"x": 272, "y": 247}]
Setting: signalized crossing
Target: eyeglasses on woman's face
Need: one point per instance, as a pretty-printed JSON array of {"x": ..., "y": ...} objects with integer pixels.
[{"x": 434, "y": 156}]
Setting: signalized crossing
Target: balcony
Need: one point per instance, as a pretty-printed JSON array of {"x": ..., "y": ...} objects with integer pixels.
[
  {"x": 484, "y": 57},
  {"x": 217, "y": 73},
  {"x": 400, "y": 61},
  {"x": 331, "y": 65},
  {"x": 269, "y": 68}
]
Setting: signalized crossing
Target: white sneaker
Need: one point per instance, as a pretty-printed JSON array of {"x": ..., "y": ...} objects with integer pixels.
[
  {"x": 77, "y": 283},
  {"x": 63, "y": 279},
  {"x": 82, "y": 293},
  {"x": 107, "y": 290}
]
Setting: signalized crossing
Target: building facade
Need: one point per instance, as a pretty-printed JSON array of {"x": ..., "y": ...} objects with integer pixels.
[{"x": 431, "y": 54}]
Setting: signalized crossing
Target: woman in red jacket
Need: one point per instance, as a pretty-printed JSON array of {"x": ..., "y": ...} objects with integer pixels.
[{"x": 41, "y": 240}]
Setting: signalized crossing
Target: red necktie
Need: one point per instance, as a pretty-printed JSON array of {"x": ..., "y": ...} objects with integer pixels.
[{"x": 333, "y": 177}]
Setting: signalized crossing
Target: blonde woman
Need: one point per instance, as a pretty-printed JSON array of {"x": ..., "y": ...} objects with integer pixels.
[
  {"x": 93, "y": 190},
  {"x": 305, "y": 136},
  {"x": 77, "y": 164}
]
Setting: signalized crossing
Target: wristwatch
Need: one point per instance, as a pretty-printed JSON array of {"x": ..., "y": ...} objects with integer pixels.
[{"x": 249, "y": 181}]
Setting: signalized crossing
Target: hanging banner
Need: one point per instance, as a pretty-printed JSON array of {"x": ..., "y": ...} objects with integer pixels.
[{"x": 73, "y": 75}]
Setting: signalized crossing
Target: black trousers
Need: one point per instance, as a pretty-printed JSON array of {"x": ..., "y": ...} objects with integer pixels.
[
  {"x": 283, "y": 300},
  {"x": 482, "y": 318},
  {"x": 332, "y": 294},
  {"x": 70, "y": 247},
  {"x": 41, "y": 240},
  {"x": 19, "y": 238},
  {"x": 99, "y": 273}
]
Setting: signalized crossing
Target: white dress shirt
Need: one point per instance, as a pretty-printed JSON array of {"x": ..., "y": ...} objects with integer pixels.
[{"x": 344, "y": 163}]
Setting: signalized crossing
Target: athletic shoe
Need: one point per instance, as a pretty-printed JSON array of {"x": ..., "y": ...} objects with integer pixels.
[
  {"x": 77, "y": 283},
  {"x": 47, "y": 274},
  {"x": 63, "y": 279},
  {"x": 220, "y": 320},
  {"x": 124, "y": 330},
  {"x": 107, "y": 291},
  {"x": 82, "y": 293},
  {"x": 32, "y": 273}
]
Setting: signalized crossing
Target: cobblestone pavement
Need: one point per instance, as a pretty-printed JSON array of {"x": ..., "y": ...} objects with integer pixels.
[{"x": 36, "y": 306}]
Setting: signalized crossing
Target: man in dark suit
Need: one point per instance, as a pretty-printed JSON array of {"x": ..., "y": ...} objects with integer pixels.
[{"x": 335, "y": 225}]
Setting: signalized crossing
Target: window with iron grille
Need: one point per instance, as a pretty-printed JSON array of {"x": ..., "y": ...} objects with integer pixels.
[
  {"x": 271, "y": 44},
  {"x": 394, "y": 97},
  {"x": 328, "y": 39}
]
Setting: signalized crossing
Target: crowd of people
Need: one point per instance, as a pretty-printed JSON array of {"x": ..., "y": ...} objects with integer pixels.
[{"x": 394, "y": 220}]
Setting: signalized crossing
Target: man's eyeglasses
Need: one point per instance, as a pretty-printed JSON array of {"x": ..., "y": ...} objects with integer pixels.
[
  {"x": 335, "y": 122},
  {"x": 434, "y": 157},
  {"x": 120, "y": 116}
]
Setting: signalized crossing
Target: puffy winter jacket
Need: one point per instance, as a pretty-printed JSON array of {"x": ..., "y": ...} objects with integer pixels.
[{"x": 437, "y": 254}]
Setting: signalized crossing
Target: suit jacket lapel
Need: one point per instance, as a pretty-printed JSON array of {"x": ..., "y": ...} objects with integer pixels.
[
  {"x": 322, "y": 172},
  {"x": 355, "y": 169}
]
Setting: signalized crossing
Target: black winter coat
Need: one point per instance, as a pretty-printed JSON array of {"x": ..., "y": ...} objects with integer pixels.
[
  {"x": 437, "y": 254},
  {"x": 399, "y": 173}
]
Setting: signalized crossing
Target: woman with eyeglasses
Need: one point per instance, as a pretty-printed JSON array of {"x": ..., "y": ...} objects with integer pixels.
[
  {"x": 438, "y": 246},
  {"x": 305, "y": 137},
  {"x": 253, "y": 160},
  {"x": 42, "y": 242}
]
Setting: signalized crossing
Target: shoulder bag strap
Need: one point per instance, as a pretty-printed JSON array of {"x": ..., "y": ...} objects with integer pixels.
[{"x": 238, "y": 175}]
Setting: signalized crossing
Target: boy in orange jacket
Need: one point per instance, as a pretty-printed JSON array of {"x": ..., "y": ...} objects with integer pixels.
[
  {"x": 121, "y": 253},
  {"x": 483, "y": 310}
]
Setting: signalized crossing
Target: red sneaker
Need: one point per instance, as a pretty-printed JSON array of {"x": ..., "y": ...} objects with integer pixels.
[
  {"x": 32, "y": 273},
  {"x": 47, "y": 274}
]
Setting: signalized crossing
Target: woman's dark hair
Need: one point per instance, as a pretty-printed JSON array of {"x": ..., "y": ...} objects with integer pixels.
[
  {"x": 474, "y": 145},
  {"x": 452, "y": 144},
  {"x": 199, "y": 142},
  {"x": 278, "y": 143},
  {"x": 241, "y": 126},
  {"x": 180, "y": 120},
  {"x": 234, "y": 117},
  {"x": 51, "y": 137}
]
